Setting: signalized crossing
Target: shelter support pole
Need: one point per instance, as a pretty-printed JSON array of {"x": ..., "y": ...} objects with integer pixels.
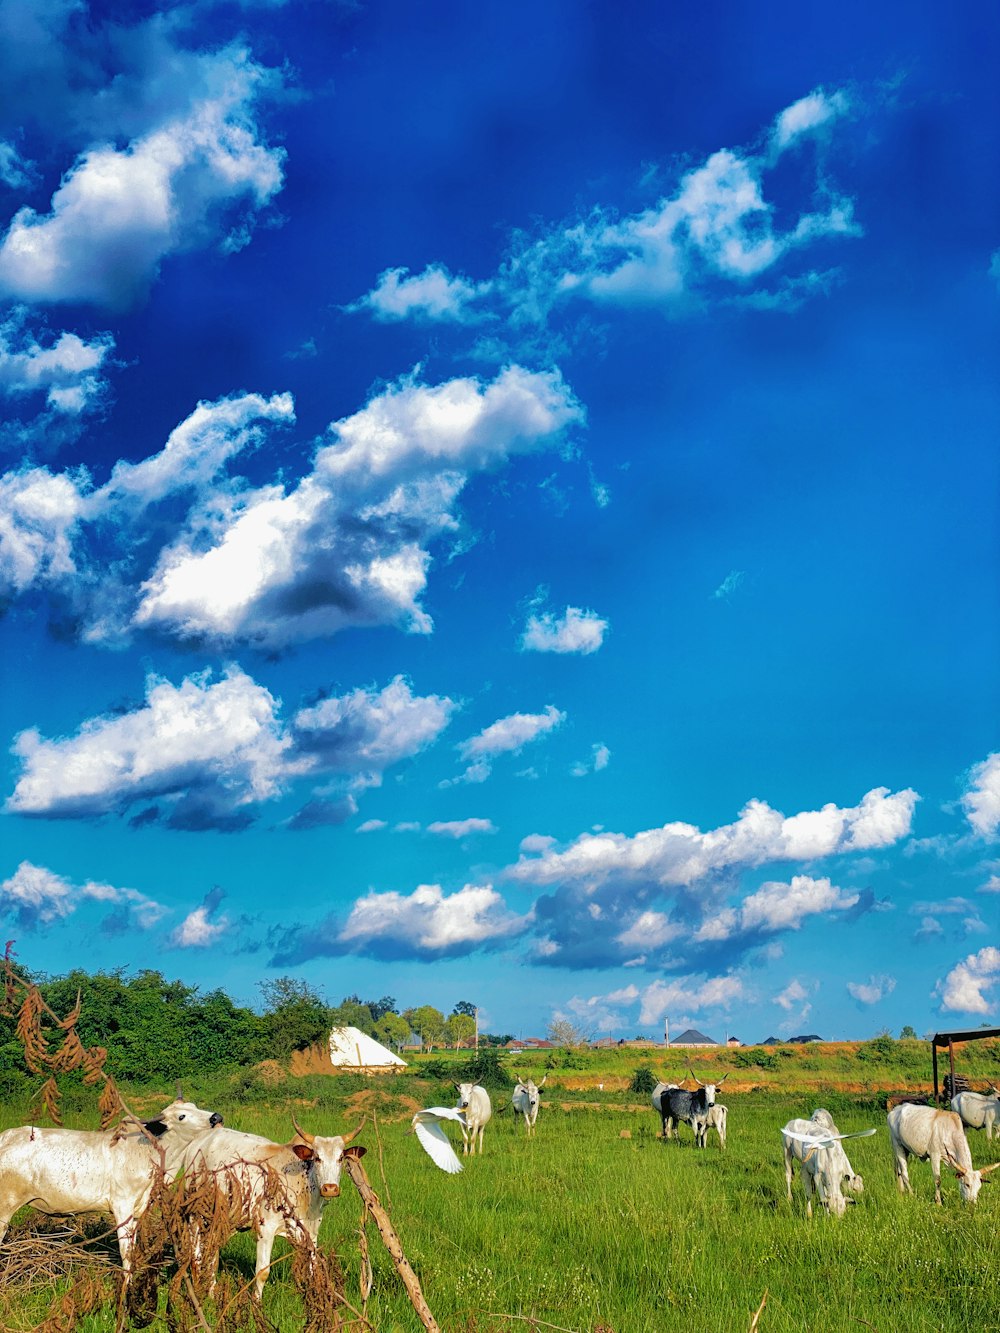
[
  {"x": 937, "y": 1095},
  {"x": 951, "y": 1063}
]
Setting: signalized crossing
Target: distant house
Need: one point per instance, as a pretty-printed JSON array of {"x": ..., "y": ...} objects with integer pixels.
[
  {"x": 692, "y": 1037},
  {"x": 791, "y": 1041},
  {"x": 529, "y": 1044},
  {"x": 733, "y": 1041}
]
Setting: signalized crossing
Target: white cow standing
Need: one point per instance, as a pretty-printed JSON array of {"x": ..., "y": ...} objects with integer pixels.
[
  {"x": 977, "y": 1110},
  {"x": 475, "y": 1102},
  {"x": 717, "y": 1117},
  {"x": 64, "y": 1172},
  {"x": 933, "y": 1135},
  {"x": 526, "y": 1101},
  {"x": 273, "y": 1189},
  {"x": 838, "y": 1159}
]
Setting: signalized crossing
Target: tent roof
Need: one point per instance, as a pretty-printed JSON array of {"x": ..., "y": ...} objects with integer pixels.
[{"x": 352, "y": 1047}]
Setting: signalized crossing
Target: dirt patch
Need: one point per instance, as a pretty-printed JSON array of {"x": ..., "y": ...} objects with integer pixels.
[
  {"x": 390, "y": 1107},
  {"x": 271, "y": 1072}
]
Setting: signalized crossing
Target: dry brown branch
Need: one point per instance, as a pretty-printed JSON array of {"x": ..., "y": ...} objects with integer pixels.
[
  {"x": 760, "y": 1310},
  {"x": 354, "y": 1168}
]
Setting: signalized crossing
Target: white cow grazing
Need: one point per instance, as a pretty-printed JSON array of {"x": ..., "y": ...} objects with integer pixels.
[
  {"x": 849, "y": 1179},
  {"x": 933, "y": 1135},
  {"x": 475, "y": 1102},
  {"x": 717, "y": 1117},
  {"x": 525, "y": 1101},
  {"x": 805, "y": 1144},
  {"x": 274, "y": 1189},
  {"x": 64, "y": 1172},
  {"x": 977, "y": 1110}
]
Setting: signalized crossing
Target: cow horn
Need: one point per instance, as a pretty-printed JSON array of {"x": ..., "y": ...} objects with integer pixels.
[
  {"x": 985, "y": 1170},
  {"x": 307, "y": 1138},
  {"x": 354, "y": 1134}
]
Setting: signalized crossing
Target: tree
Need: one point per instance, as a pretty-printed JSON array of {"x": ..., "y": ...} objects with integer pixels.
[
  {"x": 392, "y": 1030},
  {"x": 461, "y": 1029},
  {"x": 428, "y": 1023},
  {"x": 465, "y": 1007},
  {"x": 379, "y": 1008},
  {"x": 908, "y": 1033},
  {"x": 295, "y": 1016},
  {"x": 353, "y": 1013},
  {"x": 564, "y": 1033}
]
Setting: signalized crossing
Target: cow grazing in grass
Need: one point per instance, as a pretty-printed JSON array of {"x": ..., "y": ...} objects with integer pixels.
[
  {"x": 525, "y": 1101},
  {"x": 273, "y": 1189},
  {"x": 64, "y": 1172},
  {"x": 807, "y": 1142},
  {"x": 475, "y": 1102},
  {"x": 934, "y": 1136},
  {"x": 849, "y": 1179},
  {"x": 675, "y": 1104},
  {"x": 977, "y": 1110},
  {"x": 716, "y": 1119}
]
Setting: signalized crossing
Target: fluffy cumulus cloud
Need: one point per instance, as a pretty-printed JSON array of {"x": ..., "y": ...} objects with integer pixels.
[
  {"x": 119, "y": 212},
  {"x": 717, "y": 235},
  {"x": 871, "y": 991},
  {"x": 792, "y": 997},
  {"x": 198, "y": 930},
  {"x": 433, "y": 295},
  {"x": 206, "y": 753},
  {"x": 982, "y": 797},
  {"x": 963, "y": 989},
  {"x": 461, "y": 828},
  {"x": 34, "y": 897},
  {"x": 689, "y": 994},
  {"x": 665, "y": 896},
  {"x": 575, "y": 631},
  {"x": 428, "y": 923},
  {"x": 67, "y": 369},
  {"x": 347, "y": 545}
]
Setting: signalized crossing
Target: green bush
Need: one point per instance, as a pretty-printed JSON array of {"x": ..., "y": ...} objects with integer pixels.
[
  {"x": 753, "y": 1057},
  {"x": 643, "y": 1080},
  {"x": 883, "y": 1049}
]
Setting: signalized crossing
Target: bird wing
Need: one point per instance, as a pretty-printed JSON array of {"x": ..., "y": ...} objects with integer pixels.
[
  {"x": 825, "y": 1140},
  {"x": 441, "y": 1113},
  {"x": 435, "y": 1143}
]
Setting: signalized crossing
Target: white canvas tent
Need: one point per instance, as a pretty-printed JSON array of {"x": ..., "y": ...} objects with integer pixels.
[{"x": 352, "y": 1049}]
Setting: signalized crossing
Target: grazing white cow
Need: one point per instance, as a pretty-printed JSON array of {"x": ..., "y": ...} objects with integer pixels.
[
  {"x": 808, "y": 1143},
  {"x": 64, "y": 1172},
  {"x": 849, "y": 1179},
  {"x": 933, "y": 1135},
  {"x": 273, "y": 1189},
  {"x": 977, "y": 1110},
  {"x": 525, "y": 1101},
  {"x": 475, "y": 1102},
  {"x": 716, "y": 1119}
]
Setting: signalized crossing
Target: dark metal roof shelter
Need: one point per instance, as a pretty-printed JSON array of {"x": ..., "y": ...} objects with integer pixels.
[{"x": 949, "y": 1039}]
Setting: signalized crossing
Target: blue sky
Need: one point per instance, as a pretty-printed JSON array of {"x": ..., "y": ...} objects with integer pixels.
[{"x": 499, "y": 502}]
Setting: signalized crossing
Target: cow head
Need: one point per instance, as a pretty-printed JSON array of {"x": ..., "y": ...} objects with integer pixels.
[
  {"x": 323, "y": 1156},
  {"x": 464, "y": 1091},
  {"x": 183, "y": 1121},
  {"x": 969, "y": 1181}
]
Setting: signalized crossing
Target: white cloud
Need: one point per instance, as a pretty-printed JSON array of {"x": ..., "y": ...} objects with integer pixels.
[
  {"x": 209, "y": 750},
  {"x": 196, "y": 931},
  {"x": 348, "y": 544},
  {"x": 509, "y": 735},
  {"x": 430, "y": 921},
  {"x": 600, "y": 757},
  {"x": 678, "y": 855},
  {"x": 873, "y": 990},
  {"x": 433, "y": 294},
  {"x": 716, "y": 233},
  {"x": 39, "y": 516},
  {"x": 992, "y": 885},
  {"x": 576, "y": 631},
  {"x": 806, "y": 116},
  {"x": 372, "y": 826},
  {"x": 963, "y": 987},
  {"x": 366, "y": 731},
  {"x": 776, "y": 906},
  {"x": 792, "y": 996},
  {"x": 730, "y": 585},
  {"x": 461, "y": 828},
  {"x": 691, "y": 993},
  {"x": 35, "y": 896},
  {"x": 982, "y": 797},
  {"x": 119, "y": 212},
  {"x": 14, "y": 171},
  {"x": 67, "y": 370}
]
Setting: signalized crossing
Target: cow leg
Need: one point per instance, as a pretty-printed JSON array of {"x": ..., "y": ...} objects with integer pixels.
[
  {"x": 269, "y": 1228},
  {"x": 990, "y": 1121},
  {"x": 807, "y": 1185},
  {"x": 902, "y": 1175},
  {"x": 788, "y": 1172},
  {"x": 482, "y": 1130},
  {"x": 936, "y": 1172}
]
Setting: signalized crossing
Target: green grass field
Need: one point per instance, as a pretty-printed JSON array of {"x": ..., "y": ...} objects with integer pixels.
[{"x": 580, "y": 1228}]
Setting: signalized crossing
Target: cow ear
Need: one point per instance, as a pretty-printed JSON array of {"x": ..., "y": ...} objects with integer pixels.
[
  {"x": 155, "y": 1127},
  {"x": 358, "y": 1150},
  {"x": 303, "y": 1151}
]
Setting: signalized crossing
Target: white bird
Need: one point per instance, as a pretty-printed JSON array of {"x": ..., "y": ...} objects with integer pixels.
[
  {"x": 433, "y": 1139},
  {"x": 817, "y": 1141}
]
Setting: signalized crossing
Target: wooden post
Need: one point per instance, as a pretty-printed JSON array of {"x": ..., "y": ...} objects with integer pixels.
[
  {"x": 352, "y": 1165},
  {"x": 951, "y": 1064},
  {"x": 937, "y": 1095}
]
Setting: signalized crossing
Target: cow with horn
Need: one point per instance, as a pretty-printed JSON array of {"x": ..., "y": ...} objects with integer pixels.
[
  {"x": 676, "y": 1104},
  {"x": 273, "y": 1189}
]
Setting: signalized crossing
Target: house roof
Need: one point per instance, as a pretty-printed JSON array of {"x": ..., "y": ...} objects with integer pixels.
[
  {"x": 692, "y": 1037},
  {"x": 350, "y": 1047}
]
